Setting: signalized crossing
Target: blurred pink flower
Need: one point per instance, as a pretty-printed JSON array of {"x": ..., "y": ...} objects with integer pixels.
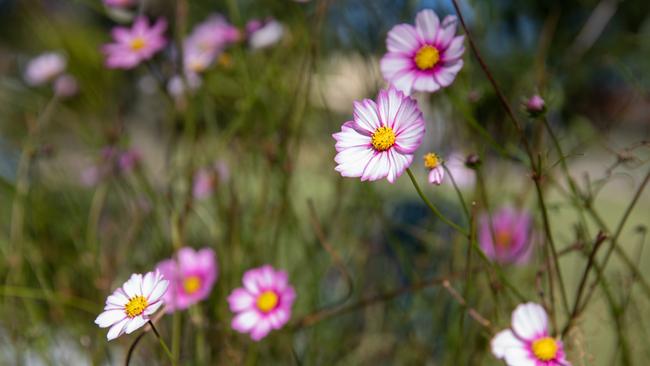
[
  {"x": 131, "y": 306},
  {"x": 44, "y": 68},
  {"x": 382, "y": 138},
  {"x": 206, "y": 42},
  {"x": 463, "y": 176},
  {"x": 424, "y": 57},
  {"x": 66, "y": 86},
  {"x": 263, "y": 304},
  {"x": 192, "y": 275},
  {"x": 262, "y": 34},
  {"x": 128, "y": 160},
  {"x": 535, "y": 105},
  {"x": 528, "y": 342},
  {"x": 509, "y": 239},
  {"x": 204, "y": 183},
  {"x": 132, "y": 46},
  {"x": 436, "y": 170},
  {"x": 119, "y": 3}
]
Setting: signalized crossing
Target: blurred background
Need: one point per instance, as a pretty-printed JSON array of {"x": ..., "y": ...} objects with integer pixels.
[{"x": 101, "y": 181}]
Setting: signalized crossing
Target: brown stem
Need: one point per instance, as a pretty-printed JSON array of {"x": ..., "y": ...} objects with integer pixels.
[{"x": 471, "y": 311}]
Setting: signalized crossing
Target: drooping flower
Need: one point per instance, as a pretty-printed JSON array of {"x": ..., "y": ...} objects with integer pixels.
[
  {"x": 262, "y": 34},
  {"x": 192, "y": 275},
  {"x": 528, "y": 341},
  {"x": 381, "y": 139},
  {"x": 509, "y": 237},
  {"x": 464, "y": 177},
  {"x": 132, "y": 46},
  {"x": 425, "y": 57},
  {"x": 263, "y": 304},
  {"x": 44, "y": 68},
  {"x": 535, "y": 105},
  {"x": 436, "y": 170},
  {"x": 66, "y": 86},
  {"x": 131, "y": 306}
]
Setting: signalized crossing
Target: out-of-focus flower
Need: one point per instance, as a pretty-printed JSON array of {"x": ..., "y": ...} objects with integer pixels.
[
  {"x": 131, "y": 305},
  {"x": 436, "y": 170},
  {"x": 205, "y": 43},
  {"x": 66, "y": 86},
  {"x": 263, "y": 304},
  {"x": 463, "y": 176},
  {"x": 509, "y": 238},
  {"x": 112, "y": 161},
  {"x": 132, "y": 46},
  {"x": 192, "y": 275},
  {"x": 262, "y": 34},
  {"x": 128, "y": 160},
  {"x": 44, "y": 68},
  {"x": 424, "y": 57},
  {"x": 528, "y": 341},
  {"x": 382, "y": 138},
  {"x": 204, "y": 183},
  {"x": 119, "y": 3},
  {"x": 535, "y": 106}
]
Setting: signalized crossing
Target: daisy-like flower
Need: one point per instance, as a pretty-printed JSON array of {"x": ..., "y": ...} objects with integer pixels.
[
  {"x": 528, "y": 342},
  {"x": 205, "y": 43},
  {"x": 191, "y": 277},
  {"x": 436, "y": 171},
  {"x": 424, "y": 57},
  {"x": 509, "y": 239},
  {"x": 44, "y": 68},
  {"x": 263, "y": 304},
  {"x": 132, "y": 46},
  {"x": 131, "y": 306},
  {"x": 381, "y": 139}
]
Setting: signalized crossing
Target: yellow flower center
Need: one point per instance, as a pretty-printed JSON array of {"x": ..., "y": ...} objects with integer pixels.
[
  {"x": 427, "y": 57},
  {"x": 267, "y": 301},
  {"x": 503, "y": 238},
  {"x": 137, "y": 43},
  {"x": 383, "y": 138},
  {"x": 545, "y": 349},
  {"x": 431, "y": 161},
  {"x": 191, "y": 284},
  {"x": 135, "y": 306}
]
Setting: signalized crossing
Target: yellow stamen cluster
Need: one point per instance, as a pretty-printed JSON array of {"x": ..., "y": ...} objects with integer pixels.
[
  {"x": 427, "y": 57},
  {"x": 191, "y": 284},
  {"x": 135, "y": 306},
  {"x": 137, "y": 43},
  {"x": 431, "y": 161},
  {"x": 545, "y": 349},
  {"x": 267, "y": 301},
  {"x": 383, "y": 138}
]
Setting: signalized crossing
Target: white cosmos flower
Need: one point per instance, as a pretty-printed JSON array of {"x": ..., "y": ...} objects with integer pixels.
[{"x": 131, "y": 305}]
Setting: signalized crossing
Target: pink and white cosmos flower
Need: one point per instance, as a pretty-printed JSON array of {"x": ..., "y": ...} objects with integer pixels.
[
  {"x": 507, "y": 236},
  {"x": 381, "y": 139},
  {"x": 131, "y": 306},
  {"x": 263, "y": 304},
  {"x": 425, "y": 57},
  {"x": 528, "y": 342},
  {"x": 44, "y": 68},
  {"x": 132, "y": 46}
]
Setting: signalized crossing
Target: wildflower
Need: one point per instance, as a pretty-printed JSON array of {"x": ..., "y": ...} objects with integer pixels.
[
  {"x": 128, "y": 160},
  {"x": 44, "y": 68},
  {"x": 205, "y": 43},
  {"x": 132, "y": 46},
  {"x": 509, "y": 238},
  {"x": 66, "y": 86},
  {"x": 130, "y": 306},
  {"x": 262, "y": 34},
  {"x": 535, "y": 106},
  {"x": 192, "y": 275},
  {"x": 463, "y": 176},
  {"x": 380, "y": 141},
  {"x": 119, "y": 3},
  {"x": 424, "y": 57},
  {"x": 528, "y": 342},
  {"x": 263, "y": 304},
  {"x": 436, "y": 170},
  {"x": 204, "y": 183}
]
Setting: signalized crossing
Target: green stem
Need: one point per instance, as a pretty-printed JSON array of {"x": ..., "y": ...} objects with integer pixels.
[
  {"x": 162, "y": 343},
  {"x": 433, "y": 208}
]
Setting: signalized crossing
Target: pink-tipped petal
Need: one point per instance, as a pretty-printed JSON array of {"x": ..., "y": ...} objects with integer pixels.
[
  {"x": 529, "y": 321},
  {"x": 402, "y": 38},
  {"x": 245, "y": 321},
  {"x": 240, "y": 300},
  {"x": 260, "y": 330},
  {"x": 427, "y": 25},
  {"x": 366, "y": 115}
]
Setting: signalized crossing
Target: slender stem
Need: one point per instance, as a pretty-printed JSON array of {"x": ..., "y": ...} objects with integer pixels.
[
  {"x": 471, "y": 311},
  {"x": 162, "y": 343},
  {"x": 458, "y": 192},
  {"x": 432, "y": 207}
]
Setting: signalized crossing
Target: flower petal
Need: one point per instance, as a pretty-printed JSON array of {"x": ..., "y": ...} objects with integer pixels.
[
  {"x": 402, "y": 38},
  {"x": 377, "y": 167},
  {"x": 425, "y": 82},
  {"x": 427, "y": 25},
  {"x": 245, "y": 321},
  {"x": 447, "y": 32},
  {"x": 240, "y": 300},
  {"x": 110, "y": 317},
  {"x": 134, "y": 324},
  {"x": 398, "y": 164},
  {"x": 503, "y": 342},
  {"x": 446, "y": 74},
  {"x": 133, "y": 286},
  {"x": 353, "y": 161},
  {"x": 158, "y": 291},
  {"x": 260, "y": 330},
  {"x": 529, "y": 321},
  {"x": 366, "y": 116},
  {"x": 388, "y": 104},
  {"x": 455, "y": 50},
  {"x": 117, "y": 329}
]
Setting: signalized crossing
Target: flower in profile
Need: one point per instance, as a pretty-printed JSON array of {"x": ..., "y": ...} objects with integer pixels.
[
  {"x": 119, "y": 3},
  {"x": 381, "y": 139},
  {"x": 205, "y": 43},
  {"x": 132, "y": 305},
  {"x": 263, "y": 304},
  {"x": 509, "y": 237},
  {"x": 128, "y": 160},
  {"x": 528, "y": 341},
  {"x": 262, "y": 34},
  {"x": 436, "y": 170},
  {"x": 66, "y": 86},
  {"x": 535, "y": 106},
  {"x": 44, "y": 68},
  {"x": 192, "y": 275},
  {"x": 132, "y": 46},
  {"x": 424, "y": 57}
]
